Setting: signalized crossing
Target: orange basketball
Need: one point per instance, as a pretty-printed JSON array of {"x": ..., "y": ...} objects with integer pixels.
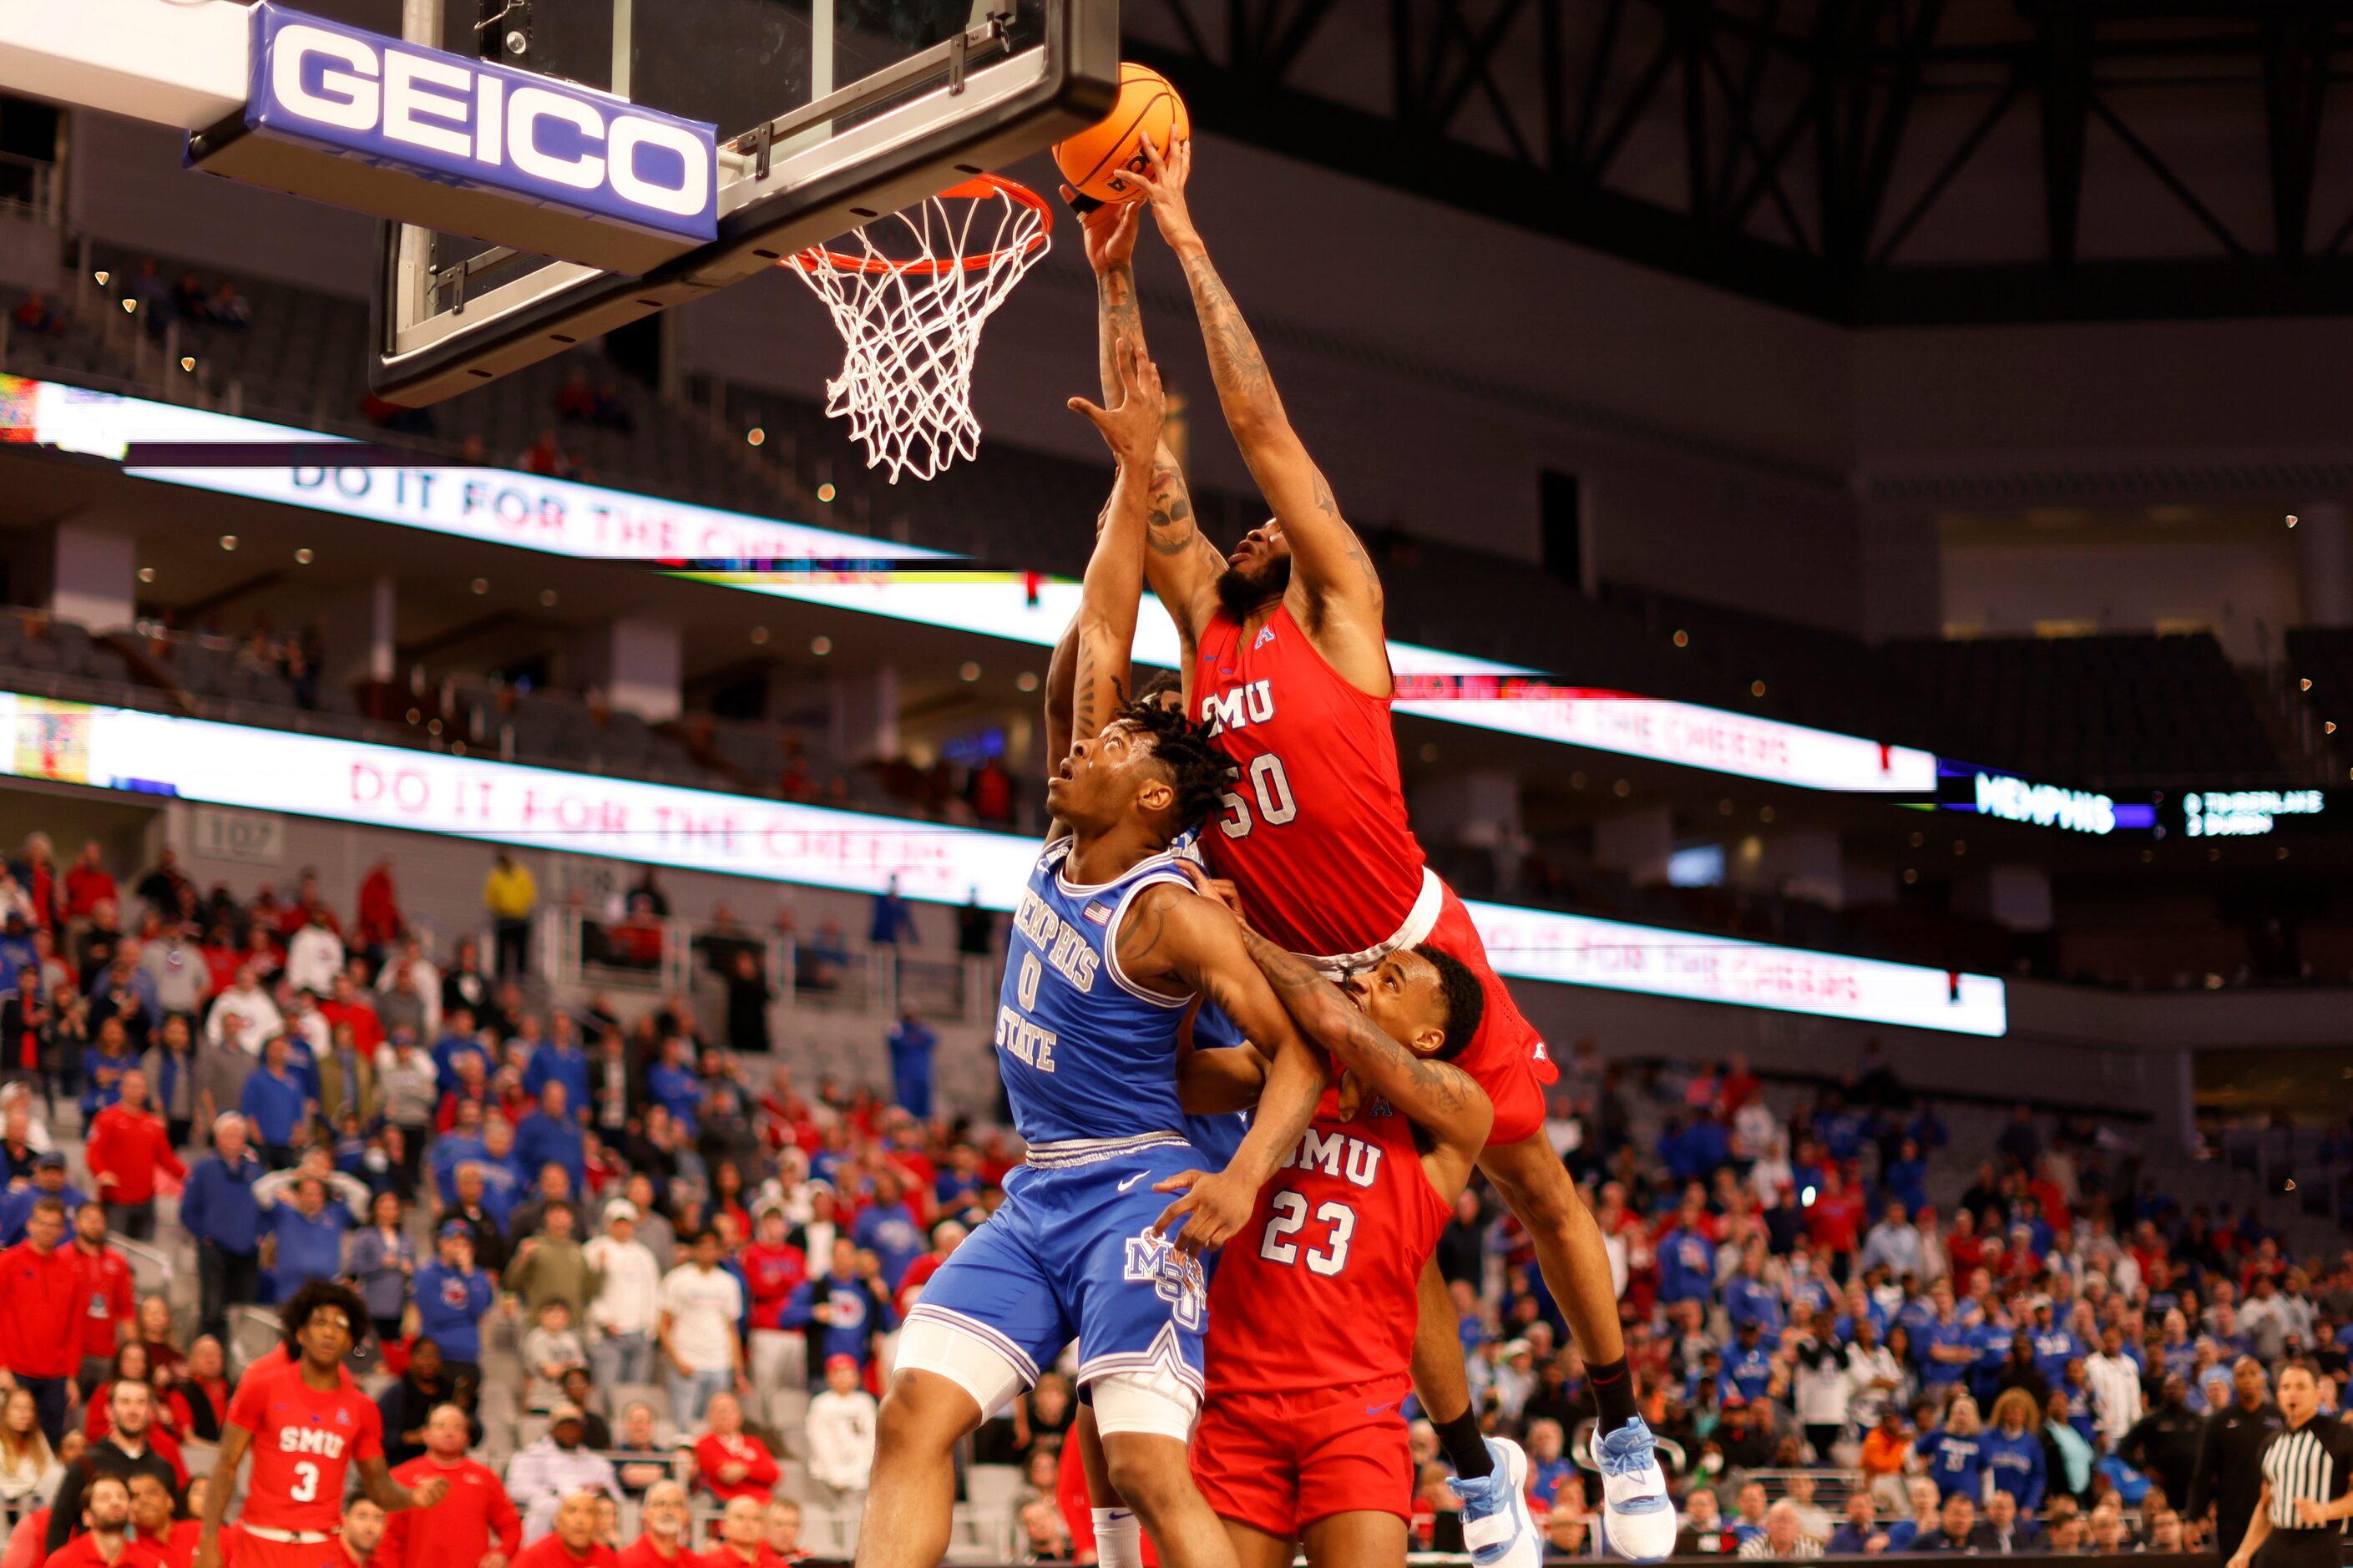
[{"x": 1098, "y": 160}]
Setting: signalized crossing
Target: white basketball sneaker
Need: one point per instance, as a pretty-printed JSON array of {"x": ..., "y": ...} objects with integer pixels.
[
  {"x": 1496, "y": 1525},
  {"x": 1638, "y": 1519}
]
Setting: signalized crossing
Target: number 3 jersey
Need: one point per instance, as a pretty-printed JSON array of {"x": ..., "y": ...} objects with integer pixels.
[
  {"x": 1087, "y": 1054},
  {"x": 1314, "y": 831},
  {"x": 305, "y": 1441},
  {"x": 1319, "y": 1290}
]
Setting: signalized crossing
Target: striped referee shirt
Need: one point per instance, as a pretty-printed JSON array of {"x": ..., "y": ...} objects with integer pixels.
[{"x": 2314, "y": 1461}]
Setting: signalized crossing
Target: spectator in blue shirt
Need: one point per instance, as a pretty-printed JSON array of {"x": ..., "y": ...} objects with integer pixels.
[
  {"x": 48, "y": 1182},
  {"x": 1948, "y": 1347},
  {"x": 2013, "y": 1449},
  {"x": 889, "y": 1228},
  {"x": 551, "y": 1136},
  {"x": 451, "y": 1295},
  {"x": 103, "y": 1062},
  {"x": 1749, "y": 1300},
  {"x": 218, "y": 1209},
  {"x": 2054, "y": 1347},
  {"x": 274, "y": 1104},
  {"x": 911, "y": 1046},
  {"x": 673, "y": 1084},
  {"x": 1686, "y": 1259},
  {"x": 457, "y": 1041},
  {"x": 1893, "y": 1243},
  {"x": 1954, "y": 1456},
  {"x": 1905, "y": 1178},
  {"x": 1549, "y": 1466},
  {"x": 1747, "y": 1367},
  {"x": 307, "y": 1232},
  {"x": 845, "y": 1310},
  {"x": 503, "y": 1182},
  {"x": 893, "y": 921},
  {"x": 957, "y": 1185},
  {"x": 559, "y": 1058}
]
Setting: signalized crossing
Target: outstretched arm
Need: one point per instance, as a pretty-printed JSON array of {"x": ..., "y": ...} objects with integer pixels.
[
  {"x": 1104, "y": 626},
  {"x": 1438, "y": 1096},
  {"x": 1183, "y": 567},
  {"x": 1174, "y": 935},
  {"x": 1328, "y": 558}
]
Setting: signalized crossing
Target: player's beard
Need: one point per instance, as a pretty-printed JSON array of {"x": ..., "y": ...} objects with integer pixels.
[{"x": 1242, "y": 593}]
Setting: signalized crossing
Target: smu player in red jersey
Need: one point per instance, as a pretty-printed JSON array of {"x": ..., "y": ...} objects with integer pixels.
[
  {"x": 306, "y": 1424},
  {"x": 1287, "y": 659},
  {"x": 1303, "y": 1436}
]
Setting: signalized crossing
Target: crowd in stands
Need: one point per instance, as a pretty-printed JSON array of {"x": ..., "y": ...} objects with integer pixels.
[
  {"x": 159, "y": 301},
  {"x": 631, "y": 1242}
]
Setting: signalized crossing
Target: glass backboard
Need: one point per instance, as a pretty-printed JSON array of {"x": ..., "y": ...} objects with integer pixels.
[{"x": 829, "y": 112}]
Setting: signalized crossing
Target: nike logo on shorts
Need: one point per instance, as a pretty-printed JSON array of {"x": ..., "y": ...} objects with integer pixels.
[
  {"x": 1376, "y": 1409},
  {"x": 1133, "y": 1180}
]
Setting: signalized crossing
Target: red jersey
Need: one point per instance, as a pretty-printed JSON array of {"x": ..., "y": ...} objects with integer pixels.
[
  {"x": 131, "y": 1146},
  {"x": 106, "y": 1297},
  {"x": 640, "y": 1554},
  {"x": 81, "y": 1551},
  {"x": 178, "y": 1546},
  {"x": 1320, "y": 1289},
  {"x": 476, "y": 1519},
  {"x": 549, "y": 1552},
  {"x": 41, "y": 1304},
  {"x": 305, "y": 1441},
  {"x": 1313, "y": 834},
  {"x": 711, "y": 1451}
]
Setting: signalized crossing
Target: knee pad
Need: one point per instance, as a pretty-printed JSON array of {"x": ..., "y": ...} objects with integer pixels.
[
  {"x": 1153, "y": 1402},
  {"x": 933, "y": 1344}
]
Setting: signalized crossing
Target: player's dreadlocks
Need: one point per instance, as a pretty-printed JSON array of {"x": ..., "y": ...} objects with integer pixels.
[
  {"x": 314, "y": 1296},
  {"x": 1466, "y": 1000},
  {"x": 1198, "y": 772}
]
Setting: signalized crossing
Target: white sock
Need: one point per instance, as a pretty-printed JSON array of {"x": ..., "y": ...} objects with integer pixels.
[{"x": 1119, "y": 1538}]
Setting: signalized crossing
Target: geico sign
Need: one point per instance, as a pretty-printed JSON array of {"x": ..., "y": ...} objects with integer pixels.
[{"x": 438, "y": 103}]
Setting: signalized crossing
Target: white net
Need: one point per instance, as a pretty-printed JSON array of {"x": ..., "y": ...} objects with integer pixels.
[{"x": 910, "y": 324}]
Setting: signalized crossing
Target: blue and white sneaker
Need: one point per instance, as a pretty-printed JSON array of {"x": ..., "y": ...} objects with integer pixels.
[
  {"x": 1637, "y": 1521},
  {"x": 1495, "y": 1523}
]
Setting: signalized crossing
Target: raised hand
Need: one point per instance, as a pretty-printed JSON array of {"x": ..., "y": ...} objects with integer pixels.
[
  {"x": 1163, "y": 184},
  {"x": 1110, "y": 233},
  {"x": 1132, "y": 427}
]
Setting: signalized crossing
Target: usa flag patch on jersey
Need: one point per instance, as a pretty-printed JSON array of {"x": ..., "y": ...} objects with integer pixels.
[{"x": 1099, "y": 912}]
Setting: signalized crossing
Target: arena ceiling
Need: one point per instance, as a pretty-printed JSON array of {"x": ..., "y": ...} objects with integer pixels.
[{"x": 1875, "y": 162}]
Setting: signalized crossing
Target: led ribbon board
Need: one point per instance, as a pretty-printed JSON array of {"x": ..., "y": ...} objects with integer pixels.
[
  {"x": 341, "y": 115},
  {"x": 213, "y": 764},
  {"x": 849, "y": 571}
]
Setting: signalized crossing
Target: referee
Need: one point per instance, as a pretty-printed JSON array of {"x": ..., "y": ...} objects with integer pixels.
[
  {"x": 2299, "y": 1522},
  {"x": 2230, "y": 1475}
]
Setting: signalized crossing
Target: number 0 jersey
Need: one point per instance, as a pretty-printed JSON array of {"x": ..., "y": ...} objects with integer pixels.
[
  {"x": 1313, "y": 833},
  {"x": 1319, "y": 1290},
  {"x": 1087, "y": 1054},
  {"x": 305, "y": 1441}
]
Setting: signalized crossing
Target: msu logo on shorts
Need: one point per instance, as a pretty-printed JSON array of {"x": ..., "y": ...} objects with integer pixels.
[{"x": 1175, "y": 1278}]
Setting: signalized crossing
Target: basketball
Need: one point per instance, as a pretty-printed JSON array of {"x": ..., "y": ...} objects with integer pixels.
[{"x": 1098, "y": 160}]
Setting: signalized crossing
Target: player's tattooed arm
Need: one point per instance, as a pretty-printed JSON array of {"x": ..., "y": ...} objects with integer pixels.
[
  {"x": 1183, "y": 567},
  {"x": 1113, "y": 586},
  {"x": 1436, "y": 1096},
  {"x": 1177, "y": 938},
  {"x": 1331, "y": 563}
]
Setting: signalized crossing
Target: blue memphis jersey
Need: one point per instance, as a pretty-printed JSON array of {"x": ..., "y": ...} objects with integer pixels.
[
  {"x": 1215, "y": 1138},
  {"x": 1085, "y": 1052}
]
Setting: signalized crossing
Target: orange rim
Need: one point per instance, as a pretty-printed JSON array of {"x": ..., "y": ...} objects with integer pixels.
[{"x": 980, "y": 187}]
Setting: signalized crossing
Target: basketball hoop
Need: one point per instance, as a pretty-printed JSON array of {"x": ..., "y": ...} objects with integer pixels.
[{"x": 911, "y": 326}]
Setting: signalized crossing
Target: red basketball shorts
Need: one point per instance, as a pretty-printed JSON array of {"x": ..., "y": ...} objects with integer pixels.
[
  {"x": 1506, "y": 1055},
  {"x": 252, "y": 1551},
  {"x": 1279, "y": 1462}
]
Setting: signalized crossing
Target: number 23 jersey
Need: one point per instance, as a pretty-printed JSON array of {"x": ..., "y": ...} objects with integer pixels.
[
  {"x": 1318, "y": 1290},
  {"x": 305, "y": 1441}
]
